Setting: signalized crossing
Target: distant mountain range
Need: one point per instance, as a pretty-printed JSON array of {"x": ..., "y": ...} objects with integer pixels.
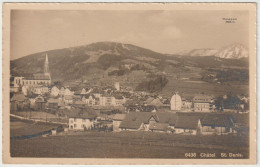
[
  {"x": 234, "y": 51},
  {"x": 125, "y": 60}
]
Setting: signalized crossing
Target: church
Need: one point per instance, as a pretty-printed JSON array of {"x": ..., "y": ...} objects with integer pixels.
[{"x": 36, "y": 79}]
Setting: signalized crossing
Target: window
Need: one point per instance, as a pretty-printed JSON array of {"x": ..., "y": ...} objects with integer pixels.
[
  {"x": 75, "y": 125},
  {"x": 71, "y": 121},
  {"x": 75, "y": 119}
]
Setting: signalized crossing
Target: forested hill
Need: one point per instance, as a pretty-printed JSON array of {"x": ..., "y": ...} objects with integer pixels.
[{"x": 114, "y": 58}]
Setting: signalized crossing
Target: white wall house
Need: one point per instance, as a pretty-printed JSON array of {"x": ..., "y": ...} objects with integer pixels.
[
  {"x": 81, "y": 123},
  {"x": 55, "y": 91},
  {"x": 107, "y": 101}
]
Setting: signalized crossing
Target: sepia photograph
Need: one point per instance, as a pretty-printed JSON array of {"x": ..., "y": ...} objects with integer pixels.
[{"x": 156, "y": 83}]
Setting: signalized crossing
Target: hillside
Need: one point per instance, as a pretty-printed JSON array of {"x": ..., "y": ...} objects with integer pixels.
[{"x": 107, "y": 62}]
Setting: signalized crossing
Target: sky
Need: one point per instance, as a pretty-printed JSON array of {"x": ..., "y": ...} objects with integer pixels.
[{"x": 164, "y": 31}]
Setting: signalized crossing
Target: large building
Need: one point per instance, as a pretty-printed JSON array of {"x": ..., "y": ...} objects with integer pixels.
[
  {"x": 202, "y": 103},
  {"x": 36, "y": 79},
  {"x": 176, "y": 102}
]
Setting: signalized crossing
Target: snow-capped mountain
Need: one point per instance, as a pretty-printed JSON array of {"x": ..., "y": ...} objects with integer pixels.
[
  {"x": 203, "y": 52},
  {"x": 199, "y": 52},
  {"x": 234, "y": 51}
]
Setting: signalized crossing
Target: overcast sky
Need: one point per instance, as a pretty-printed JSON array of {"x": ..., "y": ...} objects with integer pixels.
[{"x": 161, "y": 31}]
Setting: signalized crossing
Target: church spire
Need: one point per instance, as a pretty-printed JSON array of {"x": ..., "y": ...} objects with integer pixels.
[{"x": 46, "y": 65}]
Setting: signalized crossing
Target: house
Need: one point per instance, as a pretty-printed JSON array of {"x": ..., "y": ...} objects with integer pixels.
[
  {"x": 13, "y": 87},
  {"x": 149, "y": 100},
  {"x": 119, "y": 100},
  {"x": 157, "y": 102},
  {"x": 217, "y": 124},
  {"x": 186, "y": 105},
  {"x": 53, "y": 103},
  {"x": 40, "y": 103},
  {"x": 67, "y": 92},
  {"x": 202, "y": 103},
  {"x": 19, "y": 102},
  {"x": 61, "y": 103},
  {"x": 79, "y": 104},
  {"x": 68, "y": 99},
  {"x": 137, "y": 121},
  {"x": 55, "y": 91},
  {"x": 89, "y": 99},
  {"x": 117, "y": 120},
  {"x": 84, "y": 121},
  {"x": 25, "y": 90},
  {"x": 83, "y": 92},
  {"x": 187, "y": 124},
  {"x": 176, "y": 102},
  {"x": 62, "y": 91},
  {"x": 167, "y": 118},
  {"x": 148, "y": 121},
  {"x": 39, "y": 90},
  {"x": 148, "y": 108},
  {"x": 107, "y": 100},
  {"x": 117, "y": 86}
]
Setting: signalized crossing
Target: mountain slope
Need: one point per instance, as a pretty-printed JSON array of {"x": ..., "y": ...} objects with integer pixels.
[
  {"x": 234, "y": 51},
  {"x": 122, "y": 61},
  {"x": 93, "y": 59}
]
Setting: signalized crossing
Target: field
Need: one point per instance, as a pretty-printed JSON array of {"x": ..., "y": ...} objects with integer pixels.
[
  {"x": 25, "y": 127},
  {"x": 190, "y": 89},
  {"x": 39, "y": 115},
  {"x": 128, "y": 145}
]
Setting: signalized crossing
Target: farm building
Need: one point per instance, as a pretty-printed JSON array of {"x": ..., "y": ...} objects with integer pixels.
[
  {"x": 187, "y": 124},
  {"x": 148, "y": 121},
  {"x": 217, "y": 124},
  {"x": 117, "y": 120}
]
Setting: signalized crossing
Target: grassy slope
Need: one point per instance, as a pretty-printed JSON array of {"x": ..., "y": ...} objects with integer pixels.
[{"x": 132, "y": 145}]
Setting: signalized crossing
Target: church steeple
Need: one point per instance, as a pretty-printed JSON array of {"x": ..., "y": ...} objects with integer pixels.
[{"x": 46, "y": 65}]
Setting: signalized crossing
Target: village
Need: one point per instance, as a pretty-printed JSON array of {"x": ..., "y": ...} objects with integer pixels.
[{"x": 115, "y": 108}]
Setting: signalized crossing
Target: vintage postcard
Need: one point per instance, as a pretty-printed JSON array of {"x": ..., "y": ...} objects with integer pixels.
[{"x": 129, "y": 83}]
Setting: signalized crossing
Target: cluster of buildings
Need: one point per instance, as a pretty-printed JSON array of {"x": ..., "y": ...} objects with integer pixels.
[
  {"x": 137, "y": 111},
  {"x": 163, "y": 122}
]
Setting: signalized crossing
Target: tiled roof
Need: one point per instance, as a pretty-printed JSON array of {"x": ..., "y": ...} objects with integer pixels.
[
  {"x": 187, "y": 122},
  {"x": 52, "y": 100},
  {"x": 68, "y": 97},
  {"x": 167, "y": 117},
  {"x": 159, "y": 126},
  {"x": 135, "y": 119},
  {"x": 119, "y": 117},
  {"x": 217, "y": 120},
  {"x": 202, "y": 99},
  {"x": 18, "y": 97}
]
